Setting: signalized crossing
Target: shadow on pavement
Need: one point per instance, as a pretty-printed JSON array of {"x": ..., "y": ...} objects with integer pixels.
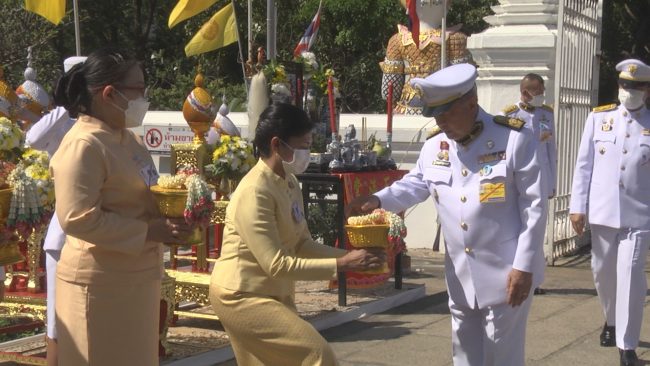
[
  {"x": 366, "y": 331},
  {"x": 570, "y": 291},
  {"x": 431, "y": 304}
]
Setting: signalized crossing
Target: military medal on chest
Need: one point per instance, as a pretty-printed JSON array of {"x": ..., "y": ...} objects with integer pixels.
[
  {"x": 607, "y": 125},
  {"x": 443, "y": 155}
]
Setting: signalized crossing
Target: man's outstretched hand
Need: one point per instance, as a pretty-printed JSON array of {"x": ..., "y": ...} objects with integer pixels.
[{"x": 362, "y": 205}]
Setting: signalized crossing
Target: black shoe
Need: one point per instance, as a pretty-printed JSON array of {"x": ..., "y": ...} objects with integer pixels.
[
  {"x": 608, "y": 336},
  {"x": 539, "y": 291},
  {"x": 628, "y": 357}
]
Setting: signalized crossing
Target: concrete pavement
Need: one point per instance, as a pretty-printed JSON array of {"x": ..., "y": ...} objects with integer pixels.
[{"x": 563, "y": 326}]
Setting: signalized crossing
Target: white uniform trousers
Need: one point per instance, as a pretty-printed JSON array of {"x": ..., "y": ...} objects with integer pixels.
[
  {"x": 493, "y": 336},
  {"x": 618, "y": 259},
  {"x": 51, "y": 260}
]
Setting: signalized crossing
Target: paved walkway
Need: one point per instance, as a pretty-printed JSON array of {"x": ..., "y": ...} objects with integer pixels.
[{"x": 563, "y": 326}]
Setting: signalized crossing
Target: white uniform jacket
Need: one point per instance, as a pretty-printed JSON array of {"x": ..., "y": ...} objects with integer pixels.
[
  {"x": 489, "y": 199},
  {"x": 611, "y": 181},
  {"x": 541, "y": 121},
  {"x": 46, "y": 135}
]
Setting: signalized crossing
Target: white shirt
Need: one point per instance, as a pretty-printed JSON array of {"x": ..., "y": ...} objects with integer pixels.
[
  {"x": 488, "y": 196},
  {"x": 46, "y": 135},
  {"x": 541, "y": 121},
  {"x": 611, "y": 181}
]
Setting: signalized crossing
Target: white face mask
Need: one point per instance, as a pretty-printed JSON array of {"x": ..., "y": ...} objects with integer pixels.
[
  {"x": 135, "y": 112},
  {"x": 631, "y": 98},
  {"x": 300, "y": 160},
  {"x": 537, "y": 101}
]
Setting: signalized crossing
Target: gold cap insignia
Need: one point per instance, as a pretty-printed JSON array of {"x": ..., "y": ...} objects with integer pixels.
[{"x": 631, "y": 69}]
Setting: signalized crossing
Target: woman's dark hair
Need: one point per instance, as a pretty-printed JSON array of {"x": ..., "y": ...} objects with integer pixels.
[
  {"x": 282, "y": 120},
  {"x": 103, "y": 67}
]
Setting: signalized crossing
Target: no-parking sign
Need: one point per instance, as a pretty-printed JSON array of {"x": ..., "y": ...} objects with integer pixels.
[{"x": 159, "y": 138}]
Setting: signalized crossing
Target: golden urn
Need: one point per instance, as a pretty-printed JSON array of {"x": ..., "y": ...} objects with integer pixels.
[
  {"x": 197, "y": 110},
  {"x": 171, "y": 202}
]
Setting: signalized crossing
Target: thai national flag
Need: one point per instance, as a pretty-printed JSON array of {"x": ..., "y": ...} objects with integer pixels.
[{"x": 309, "y": 37}]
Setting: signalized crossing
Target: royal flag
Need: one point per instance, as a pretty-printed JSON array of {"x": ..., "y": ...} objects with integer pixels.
[
  {"x": 185, "y": 9},
  {"x": 309, "y": 37},
  {"x": 219, "y": 31},
  {"x": 52, "y": 10}
]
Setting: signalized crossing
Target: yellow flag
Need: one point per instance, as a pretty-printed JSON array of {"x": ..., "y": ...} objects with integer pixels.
[
  {"x": 186, "y": 9},
  {"x": 219, "y": 31},
  {"x": 52, "y": 10}
]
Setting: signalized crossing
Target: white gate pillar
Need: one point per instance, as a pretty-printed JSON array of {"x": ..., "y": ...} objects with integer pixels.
[{"x": 521, "y": 39}]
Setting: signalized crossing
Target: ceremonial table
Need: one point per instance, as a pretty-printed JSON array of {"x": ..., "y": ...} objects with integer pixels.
[{"x": 340, "y": 189}]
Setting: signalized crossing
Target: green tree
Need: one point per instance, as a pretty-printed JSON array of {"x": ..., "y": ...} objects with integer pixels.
[{"x": 626, "y": 34}]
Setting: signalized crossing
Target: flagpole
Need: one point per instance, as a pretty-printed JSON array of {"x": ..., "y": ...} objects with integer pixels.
[
  {"x": 443, "y": 36},
  {"x": 241, "y": 54},
  {"x": 270, "y": 27},
  {"x": 77, "y": 37},
  {"x": 250, "y": 30}
]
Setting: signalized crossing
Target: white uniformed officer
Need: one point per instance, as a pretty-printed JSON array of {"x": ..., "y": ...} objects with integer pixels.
[
  {"x": 484, "y": 177},
  {"x": 611, "y": 185},
  {"x": 539, "y": 118}
]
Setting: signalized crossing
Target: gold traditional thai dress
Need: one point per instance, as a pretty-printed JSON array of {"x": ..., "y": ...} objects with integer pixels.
[
  {"x": 266, "y": 248},
  {"x": 405, "y": 61},
  {"x": 108, "y": 278}
]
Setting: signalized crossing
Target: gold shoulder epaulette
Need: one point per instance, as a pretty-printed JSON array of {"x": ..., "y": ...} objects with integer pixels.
[
  {"x": 605, "y": 108},
  {"x": 434, "y": 131},
  {"x": 547, "y": 107},
  {"x": 509, "y": 109},
  {"x": 513, "y": 123}
]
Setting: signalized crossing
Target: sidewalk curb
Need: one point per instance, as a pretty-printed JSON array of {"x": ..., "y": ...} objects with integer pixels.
[{"x": 225, "y": 353}]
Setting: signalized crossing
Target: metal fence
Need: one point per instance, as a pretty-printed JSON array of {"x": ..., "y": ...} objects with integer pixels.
[{"x": 576, "y": 92}]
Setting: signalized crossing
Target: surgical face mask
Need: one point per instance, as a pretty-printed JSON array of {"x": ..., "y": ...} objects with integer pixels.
[
  {"x": 631, "y": 98},
  {"x": 300, "y": 160},
  {"x": 537, "y": 100},
  {"x": 135, "y": 111}
]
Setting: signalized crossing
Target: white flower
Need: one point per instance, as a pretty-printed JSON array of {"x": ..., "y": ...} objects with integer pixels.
[{"x": 281, "y": 89}]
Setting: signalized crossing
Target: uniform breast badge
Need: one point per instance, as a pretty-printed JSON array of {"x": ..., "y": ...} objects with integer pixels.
[
  {"x": 492, "y": 192},
  {"x": 443, "y": 155},
  {"x": 485, "y": 170},
  {"x": 495, "y": 156},
  {"x": 645, "y": 132},
  {"x": 545, "y": 132},
  {"x": 489, "y": 144},
  {"x": 296, "y": 212},
  {"x": 607, "y": 125}
]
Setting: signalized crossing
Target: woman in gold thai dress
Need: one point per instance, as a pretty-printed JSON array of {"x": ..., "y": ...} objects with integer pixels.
[
  {"x": 267, "y": 247},
  {"x": 109, "y": 274}
]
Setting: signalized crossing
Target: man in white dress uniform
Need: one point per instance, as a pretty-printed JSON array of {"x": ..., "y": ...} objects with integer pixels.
[
  {"x": 484, "y": 176},
  {"x": 611, "y": 186},
  {"x": 539, "y": 118}
]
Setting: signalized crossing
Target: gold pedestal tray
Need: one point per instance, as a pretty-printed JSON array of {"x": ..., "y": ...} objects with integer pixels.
[
  {"x": 171, "y": 203},
  {"x": 369, "y": 236}
]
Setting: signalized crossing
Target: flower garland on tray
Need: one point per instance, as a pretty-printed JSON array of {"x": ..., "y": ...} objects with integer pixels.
[
  {"x": 397, "y": 228},
  {"x": 27, "y": 211},
  {"x": 199, "y": 204}
]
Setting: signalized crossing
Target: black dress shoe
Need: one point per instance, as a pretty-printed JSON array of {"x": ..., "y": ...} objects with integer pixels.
[
  {"x": 608, "y": 336},
  {"x": 539, "y": 291},
  {"x": 628, "y": 357}
]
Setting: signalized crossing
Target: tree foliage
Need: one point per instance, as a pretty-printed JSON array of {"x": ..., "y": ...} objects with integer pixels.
[{"x": 352, "y": 39}]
